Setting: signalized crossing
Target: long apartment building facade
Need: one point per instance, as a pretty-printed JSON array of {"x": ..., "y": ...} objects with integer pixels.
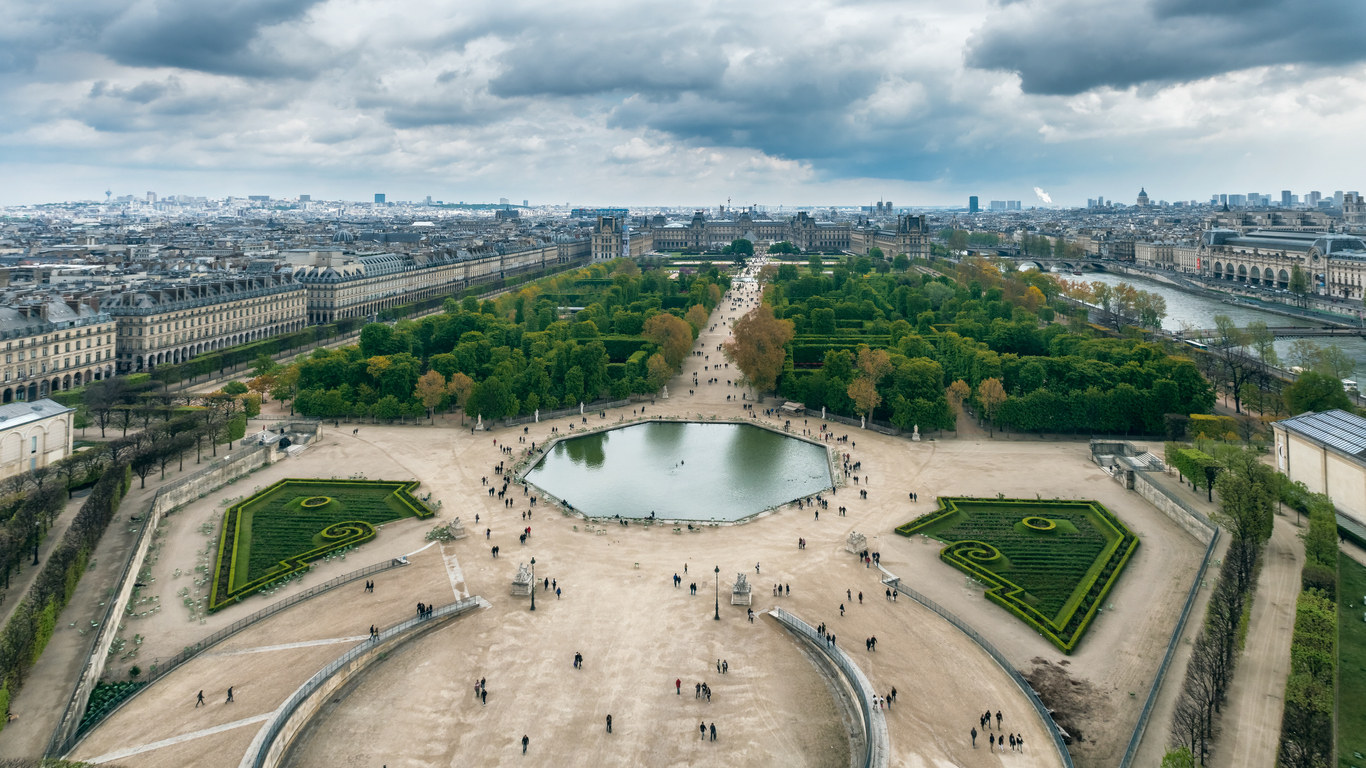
[
  {"x": 160, "y": 323},
  {"x": 910, "y": 235},
  {"x": 341, "y": 285},
  {"x": 53, "y": 343}
]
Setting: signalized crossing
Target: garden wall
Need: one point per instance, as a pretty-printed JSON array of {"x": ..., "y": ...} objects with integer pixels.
[
  {"x": 239, "y": 462},
  {"x": 1191, "y": 521},
  {"x": 268, "y": 749}
]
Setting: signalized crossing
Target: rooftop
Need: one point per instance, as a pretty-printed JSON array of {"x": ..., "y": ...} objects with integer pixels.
[
  {"x": 20, "y": 413},
  {"x": 1339, "y": 430}
]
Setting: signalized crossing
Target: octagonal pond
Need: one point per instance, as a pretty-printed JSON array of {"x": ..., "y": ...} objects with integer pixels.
[{"x": 681, "y": 471}]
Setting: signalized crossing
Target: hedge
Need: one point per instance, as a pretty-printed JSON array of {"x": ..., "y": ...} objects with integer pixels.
[
  {"x": 1196, "y": 465},
  {"x": 1211, "y": 426},
  {"x": 335, "y": 536},
  {"x": 27, "y": 632},
  {"x": 1064, "y": 630},
  {"x": 621, "y": 348}
]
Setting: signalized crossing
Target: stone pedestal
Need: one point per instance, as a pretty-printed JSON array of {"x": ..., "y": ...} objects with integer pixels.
[
  {"x": 856, "y": 542},
  {"x": 521, "y": 583},
  {"x": 740, "y": 591},
  {"x": 457, "y": 529}
]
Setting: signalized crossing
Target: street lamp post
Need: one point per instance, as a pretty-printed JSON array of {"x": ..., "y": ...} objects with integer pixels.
[
  {"x": 718, "y": 594},
  {"x": 533, "y": 583}
]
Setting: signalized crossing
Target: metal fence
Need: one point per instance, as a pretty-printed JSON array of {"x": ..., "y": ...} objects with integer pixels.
[
  {"x": 1000, "y": 659},
  {"x": 158, "y": 668},
  {"x": 876, "y": 746},
  {"x": 282, "y": 715},
  {"x": 1148, "y": 705}
]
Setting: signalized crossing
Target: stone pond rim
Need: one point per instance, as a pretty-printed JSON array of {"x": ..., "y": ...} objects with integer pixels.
[{"x": 684, "y": 471}]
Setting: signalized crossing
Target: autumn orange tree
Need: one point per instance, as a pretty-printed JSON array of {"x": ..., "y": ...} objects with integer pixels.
[
  {"x": 759, "y": 347},
  {"x": 992, "y": 395},
  {"x": 431, "y": 387},
  {"x": 672, "y": 334},
  {"x": 697, "y": 318},
  {"x": 956, "y": 393},
  {"x": 459, "y": 388},
  {"x": 873, "y": 365}
]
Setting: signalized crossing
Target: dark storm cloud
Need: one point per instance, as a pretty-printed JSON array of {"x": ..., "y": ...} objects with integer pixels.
[
  {"x": 213, "y": 36},
  {"x": 1065, "y": 47}
]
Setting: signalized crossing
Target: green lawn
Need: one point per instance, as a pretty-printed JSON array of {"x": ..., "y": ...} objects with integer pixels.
[
  {"x": 1351, "y": 663},
  {"x": 1053, "y": 579},
  {"x": 272, "y": 534}
]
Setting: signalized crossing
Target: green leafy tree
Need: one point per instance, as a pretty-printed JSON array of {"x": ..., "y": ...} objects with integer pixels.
[{"x": 1313, "y": 391}]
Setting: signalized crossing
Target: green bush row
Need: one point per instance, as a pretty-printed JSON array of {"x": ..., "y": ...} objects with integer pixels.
[
  {"x": 224, "y": 594},
  {"x": 1066, "y": 629},
  {"x": 1193, "y": 464},
  {"x": 30, "y": 628}
]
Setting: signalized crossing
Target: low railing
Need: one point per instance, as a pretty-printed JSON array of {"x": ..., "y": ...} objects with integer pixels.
[
  {"x": 1151, "y": 702},
  {"x": 877, "y": 746},
  {"x": 159, "y": 669},
  {"x": 281, "y": 716},
  {"x": 996, "y": 655}
]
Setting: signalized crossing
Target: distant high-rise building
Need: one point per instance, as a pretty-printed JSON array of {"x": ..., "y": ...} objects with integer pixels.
[
  {"x": 379, "y": 198},
  {"x": 972, "y": 204},
  {"x": 998, "y": 205},
  {"x": 1312, "y": 199},
  {"x": 428, "y": 200},
  {"x": 1337, "y": 199},
  {"x": 502, "y": 201},
  {"x": 151, "y": 197},
  {"x": 526, "y": 203},
  {"x": 1286, "y": 198},
  {"x": 1012, "y": 205},
  {"x": 1237, "y": 201},
  {"x": 259, "y": 198},
  {"x": 305, "y": 198}
]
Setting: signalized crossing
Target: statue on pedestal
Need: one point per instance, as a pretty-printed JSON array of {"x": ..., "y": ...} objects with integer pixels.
[
  {"x": 666, "y": 392},
  {"x": 915, "y": 438},
  {"x": 740, "y": 591},
  {"x": 863, "y": 422},
  {"x": 822, "y": 413},
  {"x": 580, "y": 407},
  {"x": 538, "y": 415},
  {"x": 456, "y": 528},
  {"x": 480, "y": 425},
  {"x": 856, "y": 542},
  {"x": 521, "y": 583}
]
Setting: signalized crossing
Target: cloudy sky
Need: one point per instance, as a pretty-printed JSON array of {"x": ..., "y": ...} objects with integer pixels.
[{"x": 681, "y": 103}]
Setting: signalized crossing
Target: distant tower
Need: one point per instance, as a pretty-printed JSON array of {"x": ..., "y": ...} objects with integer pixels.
[
  {"x": 972, "y": 204},
  {"x": 1142, "y": 198},
  {"x": 107, "y": 193}
]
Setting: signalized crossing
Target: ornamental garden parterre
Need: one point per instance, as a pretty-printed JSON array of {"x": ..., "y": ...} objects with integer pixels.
[{"x": 1051, "y": 563}]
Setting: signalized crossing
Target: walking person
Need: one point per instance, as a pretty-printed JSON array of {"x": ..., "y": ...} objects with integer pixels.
[
  {"x": 525, "y": 741},
  {"x": 609, "y": 723},
  {"x": 200, "y": 702},
  {"x": 993, "y": 743},
  {"x": 703, "y": 729},
  {"x": 678, "y": 687},
  {"x": 974, "y": 738},
  {"x": 229, "y": 701},
  {"x": 998, "y": 719},
  {"x": 713, "y": 731}
]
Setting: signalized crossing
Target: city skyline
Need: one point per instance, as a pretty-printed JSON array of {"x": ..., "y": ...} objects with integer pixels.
[{"x": 643, "y": 104}]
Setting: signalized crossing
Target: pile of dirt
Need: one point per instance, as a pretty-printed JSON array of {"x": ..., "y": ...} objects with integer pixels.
[{"x": 1073, "y": 703}]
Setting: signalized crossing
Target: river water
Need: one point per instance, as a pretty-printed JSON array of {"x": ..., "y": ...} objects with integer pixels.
[
  {"x": 1191, "y": 310},
  {"x": 682, "y": 471}
]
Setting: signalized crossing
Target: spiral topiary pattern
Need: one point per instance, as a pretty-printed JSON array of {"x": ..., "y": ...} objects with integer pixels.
[
  {"x": 1039, "y": 523},
  {"x": 313, "y": 502}
]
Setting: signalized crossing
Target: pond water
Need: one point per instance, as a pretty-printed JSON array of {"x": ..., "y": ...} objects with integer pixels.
[{"x": 682, "y": 471}]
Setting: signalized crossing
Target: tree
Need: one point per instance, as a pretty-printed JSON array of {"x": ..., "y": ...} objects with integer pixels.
[
  {"x": 742, "y": 246},
  {"x": 1315, "y": 392},
  {"x": 875, "y": 253},
  {"x": 697, "y": 318},
  {"x": 459, "y": 388},
  {"x": 956, "y": 393},
  {"x": 901, "y": 263},
  {"x": 491, "y": 398},
  {"x": 262, "y": 384},
  {"x": 759, "y": 347},
  {"x": 1334, "y": 362},
  {"x": 263, "y": 365},
  {"x": 657, "y": 371},
  {"x": 673, "y": 336},
  {"x": 813, "y": 263},
  {"x": 1299, "y": 282},
  {"x": 235, "y": 388},
  {"x": 992, "y": 395},
  {"x": 431, "y": 387},
  {"x": 1262, "y": 341},
  {"x": 1304, "y": 354}
]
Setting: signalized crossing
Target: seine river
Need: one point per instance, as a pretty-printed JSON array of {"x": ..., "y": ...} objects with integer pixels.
[{"x": 1187, "y": 309}]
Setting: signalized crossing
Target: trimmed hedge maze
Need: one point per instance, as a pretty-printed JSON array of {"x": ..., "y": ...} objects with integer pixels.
[
  {"x": 279, "y": 531},
  {"x": 1051, "y": 563}
]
